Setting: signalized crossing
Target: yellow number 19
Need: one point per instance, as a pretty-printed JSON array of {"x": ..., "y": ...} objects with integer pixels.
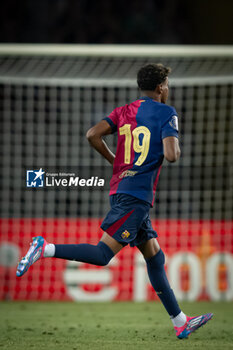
[{"x": 143, "y": 148}]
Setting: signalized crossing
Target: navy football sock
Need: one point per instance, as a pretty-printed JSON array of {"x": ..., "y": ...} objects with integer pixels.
[
  {"x": 99, "y": 254},
  {"x": 158, "y": 278}
]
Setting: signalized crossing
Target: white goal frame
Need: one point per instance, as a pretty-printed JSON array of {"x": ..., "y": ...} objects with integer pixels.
[{"x": 116, "y": 51}]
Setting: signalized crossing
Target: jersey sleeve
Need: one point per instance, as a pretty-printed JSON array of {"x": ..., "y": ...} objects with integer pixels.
[
  {"x": 170, "y": 127},
  {"x": 112, "y": 120}
]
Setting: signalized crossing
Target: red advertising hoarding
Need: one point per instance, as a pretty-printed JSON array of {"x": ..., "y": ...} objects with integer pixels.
[{"x": 199, "y": 262}]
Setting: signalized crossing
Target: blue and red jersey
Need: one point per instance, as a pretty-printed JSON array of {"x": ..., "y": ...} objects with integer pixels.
[{"x": 141, "y": 127}]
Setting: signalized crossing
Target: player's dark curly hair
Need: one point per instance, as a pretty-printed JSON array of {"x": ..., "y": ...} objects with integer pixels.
[{"x": 151, "y": 75}]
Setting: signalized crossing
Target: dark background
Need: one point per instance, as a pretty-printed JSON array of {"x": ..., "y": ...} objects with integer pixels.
[{"x": 117, "y": 22}]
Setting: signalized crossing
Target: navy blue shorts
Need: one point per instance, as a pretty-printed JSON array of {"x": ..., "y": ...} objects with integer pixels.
[{"x": 128, "y": 221}]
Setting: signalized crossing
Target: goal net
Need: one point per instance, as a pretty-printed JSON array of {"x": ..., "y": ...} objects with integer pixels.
[{"x": 50, "y": 96}]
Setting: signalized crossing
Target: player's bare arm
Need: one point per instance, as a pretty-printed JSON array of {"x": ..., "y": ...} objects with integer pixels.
[
  {"x": 171, "y": 149},
  {"x": 95, "y": 138}
]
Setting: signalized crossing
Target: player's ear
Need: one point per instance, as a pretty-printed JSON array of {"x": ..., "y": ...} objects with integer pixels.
[{"x": 159, "y": 88}]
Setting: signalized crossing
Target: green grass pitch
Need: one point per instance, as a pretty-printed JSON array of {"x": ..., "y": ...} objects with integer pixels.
[{"x": 110, "y": 326}]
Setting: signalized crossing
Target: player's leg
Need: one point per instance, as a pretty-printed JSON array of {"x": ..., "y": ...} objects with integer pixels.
[
  {"x": 155, "y": 260},
  {"x": 99, "y": 254}
]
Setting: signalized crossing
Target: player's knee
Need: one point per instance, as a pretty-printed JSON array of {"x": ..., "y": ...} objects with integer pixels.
[{"x": 106, "y": 254}]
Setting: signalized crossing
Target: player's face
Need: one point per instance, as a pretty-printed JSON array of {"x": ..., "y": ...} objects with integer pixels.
[{"x": 165, "y": 91}]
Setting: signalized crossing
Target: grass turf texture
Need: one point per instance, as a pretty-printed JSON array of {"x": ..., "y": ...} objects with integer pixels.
[{"x": 74, "y": 326}]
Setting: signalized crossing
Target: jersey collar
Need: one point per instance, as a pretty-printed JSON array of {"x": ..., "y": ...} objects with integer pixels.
[{"x": 148, "y": 98}]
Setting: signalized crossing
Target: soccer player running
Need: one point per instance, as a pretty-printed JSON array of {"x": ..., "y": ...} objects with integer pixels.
[{"x": 147, "y": 132}]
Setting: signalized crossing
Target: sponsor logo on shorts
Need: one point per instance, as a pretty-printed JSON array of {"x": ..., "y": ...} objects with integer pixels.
[{"x": 125, "y": 234}]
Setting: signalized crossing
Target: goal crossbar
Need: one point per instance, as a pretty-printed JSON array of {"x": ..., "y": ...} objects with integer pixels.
[
  {"x": 117, "y": 50},
  {"x": 187, "y": 81}
]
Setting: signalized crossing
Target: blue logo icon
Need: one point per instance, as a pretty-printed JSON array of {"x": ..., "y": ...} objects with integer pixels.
[{"x": 35, "y": 178}]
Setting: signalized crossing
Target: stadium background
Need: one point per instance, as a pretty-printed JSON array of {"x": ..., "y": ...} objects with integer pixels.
[{"x": 51, "y": 95}]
